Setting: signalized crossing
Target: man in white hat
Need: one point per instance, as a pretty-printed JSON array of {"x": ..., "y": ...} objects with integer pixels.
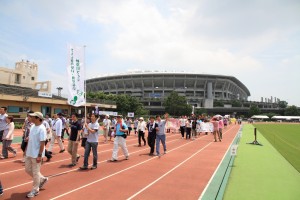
[
  {"x": 106, "y": 127},
  {"x": 35, "y": 152},
  {"x": 141, "y": 130}
]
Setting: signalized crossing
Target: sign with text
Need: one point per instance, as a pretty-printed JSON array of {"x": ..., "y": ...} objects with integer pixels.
[
  {"x": 233, "y": 150},
  {"x": 44, "y": 94}
]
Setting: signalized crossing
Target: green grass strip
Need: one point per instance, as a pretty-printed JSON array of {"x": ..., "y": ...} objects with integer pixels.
[
  {"x": 285, "y": 138},
  {"x": 261, "y": 172}
]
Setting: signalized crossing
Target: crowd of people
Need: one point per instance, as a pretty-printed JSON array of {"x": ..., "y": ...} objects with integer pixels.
[{"x": 39, "y": 130}]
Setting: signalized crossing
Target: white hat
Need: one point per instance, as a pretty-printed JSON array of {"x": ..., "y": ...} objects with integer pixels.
[
  {"x": 141, "y": 118},
  {"x": 37, "y": 114}
]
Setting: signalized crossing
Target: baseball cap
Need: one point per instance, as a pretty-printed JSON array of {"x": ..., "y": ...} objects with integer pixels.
[{"x": 37, "y": 114}]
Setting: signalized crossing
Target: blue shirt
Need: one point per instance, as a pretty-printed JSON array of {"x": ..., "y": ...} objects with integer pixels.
[{"x": 118, "y": 132}]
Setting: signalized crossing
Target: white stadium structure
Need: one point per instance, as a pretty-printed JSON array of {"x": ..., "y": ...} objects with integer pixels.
[{"x": 152, "y": 87}]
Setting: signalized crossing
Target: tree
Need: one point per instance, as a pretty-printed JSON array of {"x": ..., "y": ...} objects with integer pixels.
[
  {"x": 200, "y": 111},
  {"x": 124, "y": 103},
  {"x": 291, "y": 111},
  {"x": 282, "y": 104},
  {"x": 177, "y": 105},
  {"x": 254, "y": 110}
]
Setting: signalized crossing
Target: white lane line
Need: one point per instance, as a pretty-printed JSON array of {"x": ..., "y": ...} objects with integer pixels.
[
  {"x": 145, "y": 188},
  {"x": 171, "y": 135},
  {"x": 212, "y": 177},
  {"x": 57, "y": 161},
  {"x": 76, "y": 169},
  {"x": 116, "y": 173}
]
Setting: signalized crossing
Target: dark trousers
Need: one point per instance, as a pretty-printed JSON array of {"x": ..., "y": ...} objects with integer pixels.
[
  {"x": 23, "y": 145},
  {"x": 1, "y": 188},
  {"x": 142, "y": 136},
  {"x": 188, "y": 133},
  {"x": 129, "y": 130},
  {"x": 151, "y": 142},
  {"x": 88, "y": 147},
  {"x": 47, "y": 154},
  {"x": 182, "y": 128},
  {"x": 63, "y": 133},
  {"x": 1, "y": 135}
]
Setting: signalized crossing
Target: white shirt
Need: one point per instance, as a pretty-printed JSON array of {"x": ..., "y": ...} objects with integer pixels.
[
  {"x": 57, "y": 126},
  {"x": 106, "y": 123},
  {"x": 2, "y": 121},
  {"x": 37, "y": 134},
  {"x": 182, "y": 122},
  {"x": 142, "y": 126}
]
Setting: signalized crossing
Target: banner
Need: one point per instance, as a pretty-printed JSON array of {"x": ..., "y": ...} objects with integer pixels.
[{"x": 75, "y": 76}]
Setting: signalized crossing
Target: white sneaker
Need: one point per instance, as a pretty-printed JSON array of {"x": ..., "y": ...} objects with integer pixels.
[{"x": 32, "y": 194}]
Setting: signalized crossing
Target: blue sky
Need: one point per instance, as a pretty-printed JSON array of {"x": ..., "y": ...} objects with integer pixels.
[{"x": 258, "y": 42}]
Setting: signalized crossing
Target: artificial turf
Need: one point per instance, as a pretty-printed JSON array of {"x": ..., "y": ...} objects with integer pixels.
[
  {"x": 285, "y": 138},
  {"x": 261, "y": 172}
]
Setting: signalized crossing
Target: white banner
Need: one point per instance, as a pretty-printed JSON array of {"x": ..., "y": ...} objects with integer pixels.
[{"x": 75, "y": 78}]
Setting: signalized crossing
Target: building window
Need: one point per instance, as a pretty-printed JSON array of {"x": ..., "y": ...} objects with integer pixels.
[
  {"x": 32, "y": 78},
  {"x": 13, "y": 109},
  {"x": 57, "y": 110}
]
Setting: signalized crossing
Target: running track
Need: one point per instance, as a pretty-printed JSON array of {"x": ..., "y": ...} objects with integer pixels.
[{"x": 182, "y": 173}]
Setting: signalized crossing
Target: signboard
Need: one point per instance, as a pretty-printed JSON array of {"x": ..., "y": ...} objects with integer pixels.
[
  {"x": 111, "y": 113},
  {"x": 130, "y": 114},
  {"x": 154, "y": 95},
  {"x": 233, "y": 150},
  {"x": 44, "y": 94}
]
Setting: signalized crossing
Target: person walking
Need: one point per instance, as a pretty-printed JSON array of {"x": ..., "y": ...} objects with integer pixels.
[
  {"x": 221, "y": 126},
  {"x": 26, "y": 130},
  {"x": 7, "y": 138},
  {"x": 152, "y": 126},
  {"x": 85, "y": 131},
  {"x": 141, "y": 130},
  {"x": 188, "y": 126},
  {"x": 215, "y": 124},
  {"x": 74, "y": 139},
  {"x": 161, "y": 133},
  {"x": 106, "y": 127},
  {"x": 35, "y": 152},
  {"x": 56, "y": 134},
  {"x": 120, "y": 140},
  {"x": 128, "y": 123},
  {"x": 3, "y": 116},
  {"x": 182, "y": 122},
  {"x": 135, "y": 125},
  {"x": 91, "y": 142},
  {"x": 49, "y": 135}
]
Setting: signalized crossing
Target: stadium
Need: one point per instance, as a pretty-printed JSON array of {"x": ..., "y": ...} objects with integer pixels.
[{"x": 152, "y": 87}]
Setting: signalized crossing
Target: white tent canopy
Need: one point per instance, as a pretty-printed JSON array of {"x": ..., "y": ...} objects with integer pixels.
[
  {"x": 260, "y": 117},
  {"x": 286, "y": 117}
]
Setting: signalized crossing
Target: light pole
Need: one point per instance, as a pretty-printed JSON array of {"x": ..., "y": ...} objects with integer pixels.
[{"x": 59, "y": 89}]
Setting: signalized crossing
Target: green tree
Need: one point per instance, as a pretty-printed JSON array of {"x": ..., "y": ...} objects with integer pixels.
[
  {"x": 291, "y": 111},
  {"x": 177, "y": 105},
  {"x": 282, "y": 104},
  {"x": 125, "y": 103},
  {"x": 200, "y": 111},
  {"x": 270, "y": 115},
  {"x": 253, "y": 110}
]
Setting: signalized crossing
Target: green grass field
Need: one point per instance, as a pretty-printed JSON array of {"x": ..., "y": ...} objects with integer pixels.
[
  {"x": 261, "y": 172},
  {"x": 285, "y": 138}
]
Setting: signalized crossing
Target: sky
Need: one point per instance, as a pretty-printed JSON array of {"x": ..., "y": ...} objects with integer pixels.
[{"x": 258, "y": 42}]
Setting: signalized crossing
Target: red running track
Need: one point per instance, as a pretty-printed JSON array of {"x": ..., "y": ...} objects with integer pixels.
[{"x": 182, "y": 173}]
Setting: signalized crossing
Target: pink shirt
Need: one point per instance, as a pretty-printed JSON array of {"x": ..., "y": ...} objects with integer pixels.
[
  {"x": 216, "y": 125},
  {"x": 221, "y": 124}
]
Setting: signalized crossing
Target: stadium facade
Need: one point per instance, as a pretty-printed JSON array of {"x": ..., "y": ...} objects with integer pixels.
[{"x": 152, "y": 87}]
